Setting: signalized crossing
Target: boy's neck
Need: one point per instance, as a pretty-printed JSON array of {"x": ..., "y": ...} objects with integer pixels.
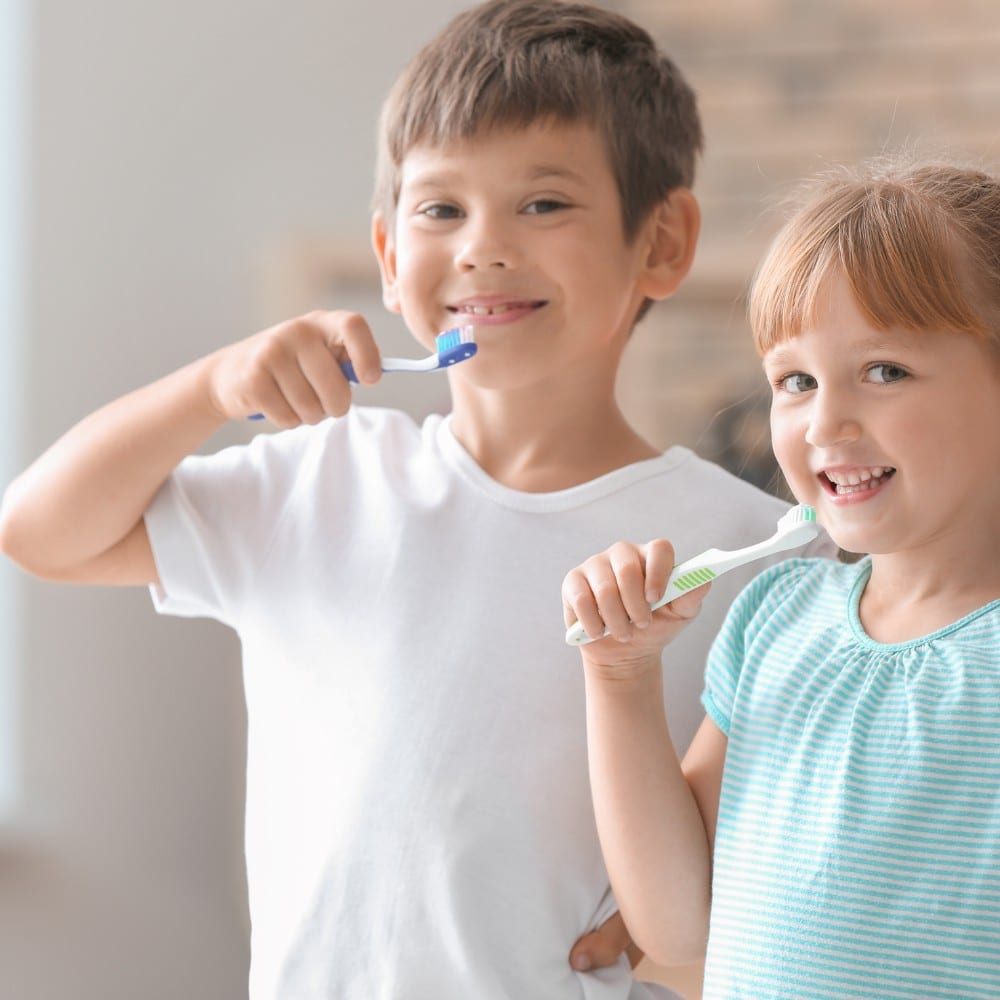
[{"x": 542, "y": 449}]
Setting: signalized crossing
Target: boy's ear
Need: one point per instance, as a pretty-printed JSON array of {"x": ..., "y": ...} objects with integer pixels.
[
  {"x": 385, "y": 252},
  {"x": 671, "y": 236}
]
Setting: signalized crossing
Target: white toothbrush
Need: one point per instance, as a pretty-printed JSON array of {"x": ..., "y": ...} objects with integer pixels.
[{"x": 795, "y": 528}]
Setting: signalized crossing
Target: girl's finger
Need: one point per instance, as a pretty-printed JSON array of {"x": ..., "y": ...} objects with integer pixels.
[{"x": 630, "y": 574}]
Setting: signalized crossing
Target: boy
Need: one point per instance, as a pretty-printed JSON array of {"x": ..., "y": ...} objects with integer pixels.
[{"x": 418, "y": 814}]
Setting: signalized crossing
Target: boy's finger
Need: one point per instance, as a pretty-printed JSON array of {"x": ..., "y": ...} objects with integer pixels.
[
  {"x": 299, "y": 394},
  {"x": 351, "y": 332},
  {"x": 270, "y": 402},
  {"x": 322, "y": 370},
  {"x": 603, "y": 947}
]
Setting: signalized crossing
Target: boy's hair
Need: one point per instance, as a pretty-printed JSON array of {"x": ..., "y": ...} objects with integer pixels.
[
  {"x": 512, "y": 63},
  {"x": 919, "y": 244}
]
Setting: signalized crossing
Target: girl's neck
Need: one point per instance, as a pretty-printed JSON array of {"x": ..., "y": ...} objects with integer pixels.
[{"x": 910, "y": 595}]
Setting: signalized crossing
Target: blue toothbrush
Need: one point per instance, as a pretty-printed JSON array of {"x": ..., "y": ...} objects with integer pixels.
[{"x": 452, "y": 346}]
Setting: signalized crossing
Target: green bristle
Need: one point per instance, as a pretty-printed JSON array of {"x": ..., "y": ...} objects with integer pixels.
[{"x": 693, "y": 579}]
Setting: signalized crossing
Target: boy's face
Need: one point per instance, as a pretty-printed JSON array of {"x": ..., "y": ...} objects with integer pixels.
[
  {"x": 518, "y": 233},
  {"x": 892, "y": 435}
]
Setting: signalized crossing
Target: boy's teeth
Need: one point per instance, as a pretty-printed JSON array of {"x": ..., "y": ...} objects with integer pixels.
[{"x": 485, "y": 310}]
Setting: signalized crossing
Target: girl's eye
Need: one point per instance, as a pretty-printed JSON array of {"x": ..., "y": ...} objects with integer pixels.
[
  {"x": 796, "y": 383},
  {"x": 440, "y": 210},
  {"x": 884, "y": 373},
  {"x": 543, "y": 206}
]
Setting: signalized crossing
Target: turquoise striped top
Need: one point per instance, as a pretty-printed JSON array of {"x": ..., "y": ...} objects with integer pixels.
[{"x": 858, "y": 844}]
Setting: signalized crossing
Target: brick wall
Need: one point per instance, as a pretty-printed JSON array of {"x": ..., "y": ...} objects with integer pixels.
[{"x": 787, "y": 87}]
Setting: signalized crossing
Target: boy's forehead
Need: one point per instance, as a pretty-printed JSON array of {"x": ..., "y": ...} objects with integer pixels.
[{"x": 568, "y": 151}]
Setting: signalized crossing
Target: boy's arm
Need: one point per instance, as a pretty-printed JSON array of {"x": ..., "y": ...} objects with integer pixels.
[
  {"x": 655, "y": 828},
  {"x": 76, "y": 514}
]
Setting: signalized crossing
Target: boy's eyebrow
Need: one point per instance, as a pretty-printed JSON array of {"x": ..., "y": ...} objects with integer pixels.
[{"x": 543, "y": 171}]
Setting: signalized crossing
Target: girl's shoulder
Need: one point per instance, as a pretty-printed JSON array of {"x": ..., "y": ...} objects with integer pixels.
[{"x": 804, "y": 578}]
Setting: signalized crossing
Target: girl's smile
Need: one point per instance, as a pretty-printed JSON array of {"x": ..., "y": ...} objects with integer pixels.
[{"x": 890, "y": 434}]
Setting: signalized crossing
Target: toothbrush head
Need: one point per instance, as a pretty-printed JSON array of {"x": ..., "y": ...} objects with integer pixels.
[
  {"x": 798, "y": 525},
  {"x": 455, "y": 345}
]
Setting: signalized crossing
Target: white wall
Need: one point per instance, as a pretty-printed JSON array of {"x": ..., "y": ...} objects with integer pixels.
[{"x": 173, "y": 146}]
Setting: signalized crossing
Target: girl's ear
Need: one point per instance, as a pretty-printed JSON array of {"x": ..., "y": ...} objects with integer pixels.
[
  {"x": 385, "y": 252},
  {"x": 671, "y": 236}
]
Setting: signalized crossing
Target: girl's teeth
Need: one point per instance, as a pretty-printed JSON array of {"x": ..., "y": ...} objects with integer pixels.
[{"x": 857, "y": 479}]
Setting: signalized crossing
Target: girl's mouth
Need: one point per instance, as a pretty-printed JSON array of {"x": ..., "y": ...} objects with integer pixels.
[{"x": 853, "y": 482}]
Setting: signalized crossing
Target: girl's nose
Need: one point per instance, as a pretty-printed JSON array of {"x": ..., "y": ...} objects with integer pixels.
[{"x": 831, "y": 421}]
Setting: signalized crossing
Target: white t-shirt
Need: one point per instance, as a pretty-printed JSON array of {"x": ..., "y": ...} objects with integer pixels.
[{"x": 419, "y": 822}]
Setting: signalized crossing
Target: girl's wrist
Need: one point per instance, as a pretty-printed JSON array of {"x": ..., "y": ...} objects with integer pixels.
[{"x": 640, "y": 676}]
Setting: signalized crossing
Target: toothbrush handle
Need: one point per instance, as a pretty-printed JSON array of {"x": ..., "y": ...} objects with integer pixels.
[{"x": 685, "y": 576}]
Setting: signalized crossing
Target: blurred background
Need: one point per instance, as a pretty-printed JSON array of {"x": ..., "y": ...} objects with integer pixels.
[{"x": 176, "y": 175}]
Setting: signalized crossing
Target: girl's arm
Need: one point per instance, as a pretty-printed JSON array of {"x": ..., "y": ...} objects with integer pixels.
[
  {"x": 656, "y": 821},
  {"x": 76, "y": 514}
]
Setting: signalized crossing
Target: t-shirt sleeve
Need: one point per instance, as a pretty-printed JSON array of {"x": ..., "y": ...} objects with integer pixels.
[
  {"x": 728, "y": 654},
  {"x": 211, "y": 523}
]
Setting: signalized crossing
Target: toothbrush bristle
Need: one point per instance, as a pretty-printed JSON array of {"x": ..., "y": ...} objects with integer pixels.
[{"x": 453, "y": 338}]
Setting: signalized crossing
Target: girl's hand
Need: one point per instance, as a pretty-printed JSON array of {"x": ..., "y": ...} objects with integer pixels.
[
  {"x": 614, "y": 590},
  {"x": 291, "y": 373}
]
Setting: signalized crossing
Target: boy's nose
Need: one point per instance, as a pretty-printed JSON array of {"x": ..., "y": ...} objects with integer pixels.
[
  {"x": 831, "y": 421},
  {"x": 485, "y": 247}
]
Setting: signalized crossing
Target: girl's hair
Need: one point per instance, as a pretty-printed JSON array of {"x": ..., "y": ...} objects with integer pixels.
[
  {"x": 919, "y": 244},
  {"x": 512, "y": 63}
]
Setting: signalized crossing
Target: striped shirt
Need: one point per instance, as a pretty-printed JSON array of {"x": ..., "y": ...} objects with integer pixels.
[{"x": 858, "y": 845}]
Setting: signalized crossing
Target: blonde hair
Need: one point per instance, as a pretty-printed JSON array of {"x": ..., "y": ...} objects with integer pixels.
[{"x": 918, "y": 243}]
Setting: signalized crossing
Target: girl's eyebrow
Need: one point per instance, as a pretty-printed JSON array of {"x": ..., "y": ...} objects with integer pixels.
[{"x": 783, "y": 355}]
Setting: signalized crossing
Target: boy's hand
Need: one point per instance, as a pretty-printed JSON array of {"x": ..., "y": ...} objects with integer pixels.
[
  {"x": 603, "y": 947},
  {"x": 291, "y": 372},
  {"x": 614, "y": 590}
]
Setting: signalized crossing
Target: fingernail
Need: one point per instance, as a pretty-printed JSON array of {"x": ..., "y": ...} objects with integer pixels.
[{"x": 581, "y": 963}]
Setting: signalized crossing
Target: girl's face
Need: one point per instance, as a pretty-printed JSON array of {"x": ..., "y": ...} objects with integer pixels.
[{"x": 892, "y": 435}]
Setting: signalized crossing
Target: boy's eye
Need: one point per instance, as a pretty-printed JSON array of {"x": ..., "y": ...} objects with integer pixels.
[
  {"x": 796, "y": 383},
  {"x": 543, "y": 206},
  {"x": 884, "y": 373},
  {"x": 439, "y": 210}
]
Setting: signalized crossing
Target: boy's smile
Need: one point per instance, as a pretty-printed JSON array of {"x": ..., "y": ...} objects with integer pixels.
[
  {"x": 891, "y": 434},
  {"x": 520, "y": 233}
]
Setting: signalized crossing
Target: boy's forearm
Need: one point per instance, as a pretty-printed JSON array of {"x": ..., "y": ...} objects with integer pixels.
[
  {"x": 651, "y": 831},
  {"x": 89, "y": 490}
]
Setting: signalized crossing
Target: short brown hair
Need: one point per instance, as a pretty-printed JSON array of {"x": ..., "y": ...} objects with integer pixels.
[
  {"x": 511, "y": 63},
  {"x": 919, "y": 244}
]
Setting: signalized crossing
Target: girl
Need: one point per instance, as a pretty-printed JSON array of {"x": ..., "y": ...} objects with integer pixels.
[{"x": 840, "y": 805}]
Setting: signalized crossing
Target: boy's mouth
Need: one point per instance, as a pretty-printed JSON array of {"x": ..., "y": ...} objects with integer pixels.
[
  {"x": 479, "y": 309},
  {"x": 860, "y": 479}
]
